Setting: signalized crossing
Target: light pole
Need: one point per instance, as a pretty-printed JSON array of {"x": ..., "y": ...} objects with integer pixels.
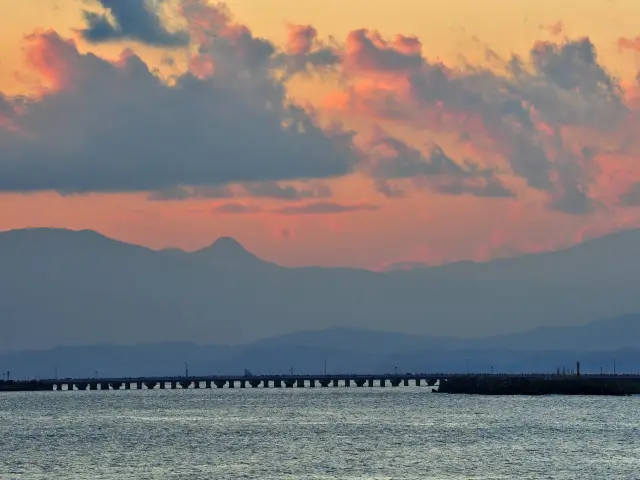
[
  {"x": 186, "y": 369},
  {"x": 396, "y": 369}
]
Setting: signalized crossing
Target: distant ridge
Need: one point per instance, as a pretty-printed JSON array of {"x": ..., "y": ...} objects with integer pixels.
[{"x": 62, "y": 287}]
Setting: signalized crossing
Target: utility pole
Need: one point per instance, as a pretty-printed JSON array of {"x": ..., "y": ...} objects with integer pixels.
[
  {"x": 186, "y": 369},
  {"x": 614, "y": 366}
]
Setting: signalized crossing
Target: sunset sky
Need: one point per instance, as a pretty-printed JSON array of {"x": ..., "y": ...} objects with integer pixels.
[{"x": 331, "y": 132}]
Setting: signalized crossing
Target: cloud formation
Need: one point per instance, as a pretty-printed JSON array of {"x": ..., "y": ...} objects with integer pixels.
[
  {"x": 393, "y": 159},
  {"x": 536, "y": 115},
  {"x": 136, "y": 20},
  {"x": 115, "y": 126},
  {"x": 260, "y": 190},
  {"x": 324, "y": 208}
]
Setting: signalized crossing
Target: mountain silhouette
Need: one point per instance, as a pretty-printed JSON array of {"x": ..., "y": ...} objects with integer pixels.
[{"x": 62, "y": 287}]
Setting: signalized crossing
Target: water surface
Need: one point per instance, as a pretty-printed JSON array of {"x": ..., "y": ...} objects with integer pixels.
[{"x": 343, "y": 433}]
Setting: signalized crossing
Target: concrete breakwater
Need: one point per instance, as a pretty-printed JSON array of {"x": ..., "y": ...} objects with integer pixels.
[
  {"x": 525, "y": 384},
  {"x": 551, "y": 385}
]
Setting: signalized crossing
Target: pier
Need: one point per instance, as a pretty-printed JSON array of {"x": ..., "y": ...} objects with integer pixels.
[{"x": 480, "y": 384}]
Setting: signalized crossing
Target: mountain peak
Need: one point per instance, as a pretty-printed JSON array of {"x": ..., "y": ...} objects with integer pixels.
[
  {"x": 228, "y": 252},
  {"x": 227, "y": 245}
]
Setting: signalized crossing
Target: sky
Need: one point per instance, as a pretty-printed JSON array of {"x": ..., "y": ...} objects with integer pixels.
[{"x": 359, "y": 133}]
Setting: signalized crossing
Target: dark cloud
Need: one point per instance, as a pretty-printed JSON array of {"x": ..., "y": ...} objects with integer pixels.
[
  {"x": 574, "y": 201},
  {"x": 236, "y": 209},
  {"x": 118, "y": 127},
  {"x": 394, "y": 159},
  {"x": 631, "y": 198},
  {"x": 321, "y": 208},
  {"x": 368, "y": 50},
  {"x": 270, "y": 190},
  {"x": 130, "y": 20}
]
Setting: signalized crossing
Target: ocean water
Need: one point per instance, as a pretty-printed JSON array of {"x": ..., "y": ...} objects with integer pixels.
[{"x": 342, "y": 433}]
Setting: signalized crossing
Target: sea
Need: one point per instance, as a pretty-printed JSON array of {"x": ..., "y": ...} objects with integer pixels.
[{"x": 321, "y": 433}]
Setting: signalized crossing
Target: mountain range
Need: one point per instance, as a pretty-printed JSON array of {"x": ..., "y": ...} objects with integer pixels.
[{"x": 62, "y": 287}]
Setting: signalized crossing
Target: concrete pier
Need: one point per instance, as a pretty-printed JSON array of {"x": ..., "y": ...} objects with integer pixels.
[{"x": 525, "y": 384}]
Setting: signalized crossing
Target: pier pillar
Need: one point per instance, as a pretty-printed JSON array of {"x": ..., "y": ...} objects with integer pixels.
[
  {"x": 347, "y": 382},
  {"x": 207, "y": 384},
  {"x": 162, "y": 385},
  {"x": 417, "y": 380},
  {"x": 196, "y": 384},
  {"x": 127, "y": 385},
  {"x": 231, "y": 384},
  {"x": 185, "y": 385},
  {"x": 174, "y": 385},
  {"x": 254, "y": 383},
  {"x": 406, "y": 382},
  {"x": 116, "y": 385},
  {"x": 265, "y": 383},
  {"x": 325, "y": 382},
  {"x": 150, "y": 385},
  {"x": 336, "y": 382},
  {"x": 289, "y": 383},
  {"x": 243, "y": 384},
  {"x": 370, "y": 382},
  {"x": 139, "y": 386},
  {"x": 93, "y": 386},
  {"x": 277, "y": 383},
  {"x": 312, "y": 383},
  {"x": 300, "y": 383},
  {"x": 360, "y": 382},
  {"x": 70, "y": 387},
  {"x": 395, "y": 382},
  {"x": 104, "y": 386},
  {"x": 383, "y": 382},
  {"x": 219, "y": 383}
]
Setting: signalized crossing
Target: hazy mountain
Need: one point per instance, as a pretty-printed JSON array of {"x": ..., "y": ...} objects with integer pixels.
[{"x": 60, "y": 287}]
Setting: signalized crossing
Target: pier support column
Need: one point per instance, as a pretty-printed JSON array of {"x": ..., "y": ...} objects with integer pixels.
[
  {"x": 104, "y": 386},
  {"x": 207, "y": 384},
  {"x": 219, "y": 383},
  {"x": 196, "y": 384},
  {"x": 243, "y": 384},
  {"x": 150, "y": 385},
  {"x": 312, "y": 383},
  {"x": 347, "y": 382},
  {"x": 265, "y": 383},
  {"x": 395, "y": 382},
  {"x": 185, "y": 385},
  {"x": 300, "y": 383},
  {"x": 417, "y": 380},
  {"x": 231, "y": 384},
  {"x": 139, "y": 386},
  {"x": 289, "y": 383},
  {"x": 116, "y": 385},
  {"x": 174, "y": 385},
  {"x": 254, "y": 383},
  {"x": 370, "y": 382},
  {"x": 360, "y": 382},
  {"x": 406, "y": 382},
  {"x": 277, "y": 383},
  {"x": 325, "y": 382},
  {"x": 336, "y": 382},
  {"x": 127, "y": 385},
  {"x": 383, "y": 382},
  {"x": 162, "y": 385}
]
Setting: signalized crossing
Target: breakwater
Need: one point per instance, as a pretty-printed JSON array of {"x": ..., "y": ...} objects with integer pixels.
[{"x": 488, "y": 384}]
